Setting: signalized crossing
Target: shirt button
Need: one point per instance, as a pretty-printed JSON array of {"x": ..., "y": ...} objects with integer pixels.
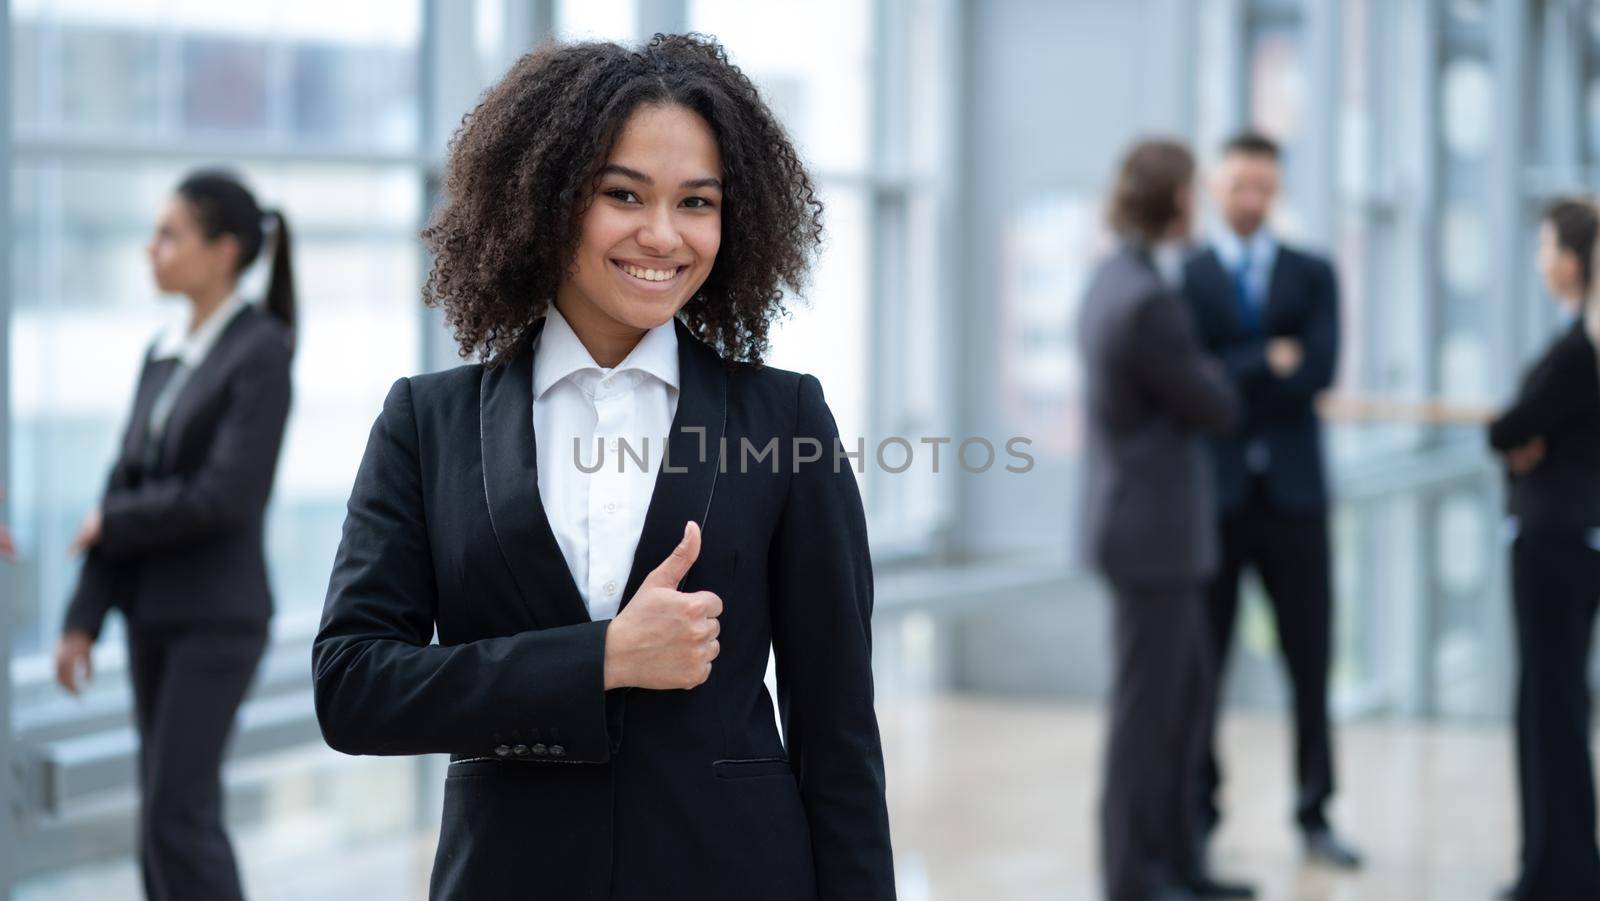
[
  {"x": 611, "y": 507},
  {"x": 611, "y": 587}
]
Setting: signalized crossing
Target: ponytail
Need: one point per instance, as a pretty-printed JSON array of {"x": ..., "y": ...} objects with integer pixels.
[
  {"x": 280, "y": 283},
  {"x": 224, "y": 206}
]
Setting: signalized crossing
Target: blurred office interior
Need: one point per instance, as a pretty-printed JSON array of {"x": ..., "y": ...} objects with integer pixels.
[{"x": 962, "y": 148}]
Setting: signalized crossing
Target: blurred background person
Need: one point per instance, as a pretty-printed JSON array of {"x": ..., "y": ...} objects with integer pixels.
[
  {"x": 1549, "y": 439},
  {"x": 176, "y": 543},
  {"x": 1152, "y": 392},
  {"x": 1270, "y": 313}
]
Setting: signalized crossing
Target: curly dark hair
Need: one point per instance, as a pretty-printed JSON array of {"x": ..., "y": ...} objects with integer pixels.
[{"x": 525, "y": 164}]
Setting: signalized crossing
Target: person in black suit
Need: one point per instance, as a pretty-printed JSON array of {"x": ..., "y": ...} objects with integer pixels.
[
  {"x": 1270, "y": 313},
  {"x": 1550, "y": 439},
  {"x": 176, "y": 542},
  {"x": 1147, "y": 525},
  {"x": 618, "y": 229}
]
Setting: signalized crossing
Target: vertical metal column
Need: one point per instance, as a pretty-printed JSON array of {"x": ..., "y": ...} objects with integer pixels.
[
  {"x": 10, "y": 793},
  {"x": 1508, "y": 36},
  {"x": 887, "y": 180},
  {"x": 1322, "y": 26}
]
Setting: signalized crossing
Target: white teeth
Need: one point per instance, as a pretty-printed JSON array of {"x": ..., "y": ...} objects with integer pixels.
[{"x": 649, "y": 275}]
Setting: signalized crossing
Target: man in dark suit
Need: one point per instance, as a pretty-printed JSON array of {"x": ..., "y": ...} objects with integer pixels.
[
  {"x": 1270, "y": 313},
  {"x": 1148, "y": 526}
]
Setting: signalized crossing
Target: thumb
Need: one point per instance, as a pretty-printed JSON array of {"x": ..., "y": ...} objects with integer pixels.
[{"x": 676, "y": 566}]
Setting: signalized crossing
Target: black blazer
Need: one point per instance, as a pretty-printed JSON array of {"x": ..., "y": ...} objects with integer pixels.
[
  {"x": 556, "y": 787},
  {"x": 182, "y": 543},
  {"x": 1303, "y": 303},
  {"x": 1559, "y": 401},
  {"x": 1147, "y": 511}
]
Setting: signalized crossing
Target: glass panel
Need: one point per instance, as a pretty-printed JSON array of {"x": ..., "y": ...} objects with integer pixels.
[
  {"x": 1468, "y": 115},
  {"x": 344, "y": 75},
  {"x": 109, "y": 79},
  {"x": 828, "y": 332},
  {"x": 1278, "y": 108},
  {"x": 813, "y": 65},
  {"x": 608, "y": 20}
]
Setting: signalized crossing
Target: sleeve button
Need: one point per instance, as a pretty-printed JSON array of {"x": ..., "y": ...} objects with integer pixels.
[
  {"x": 503, "y": 751},
  {"x": 539, "y": 750},
  {"x": 557, "y": 751},
  {"x": 521, "y": 750}
]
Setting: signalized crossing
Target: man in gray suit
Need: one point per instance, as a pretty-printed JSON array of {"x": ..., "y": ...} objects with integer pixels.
[{"x": 1148, "y": 527}]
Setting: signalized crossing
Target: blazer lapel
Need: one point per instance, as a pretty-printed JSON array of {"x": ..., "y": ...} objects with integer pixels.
[
  {"x": 688, "y": 472},
  {"x": 153, "y": 376},
  {"x": 1217, "y": 291},
  {"x": 1277, "y": 287},
  {"x": 511, "y": 488},
  {"x": 683, "y": 486},
  {"x": 192, "y": 391}
]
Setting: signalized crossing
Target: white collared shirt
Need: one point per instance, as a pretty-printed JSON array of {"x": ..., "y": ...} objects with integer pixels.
[
  {"x": 176, "y": 342},
  {"x": 597, "y": 517},
  {"x": 191, "y": 348},
  {"x": 1263, "y": 249},
  {"x": 1168, "y": 257}
]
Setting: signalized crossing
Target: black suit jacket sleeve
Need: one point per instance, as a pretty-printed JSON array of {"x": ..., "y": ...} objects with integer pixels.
[
  {"x": 1319, "y": 345},
  {"x": 233, "y": 484},
  {"x": 1545, "y": 400},
  {"x": 1246, "y": 360},
  {"x": 1165, "y": 357},
  {"x": 381, "y": 687},
  {"x": 822, "y": 594},
  {"x": 93, "y": 597}
]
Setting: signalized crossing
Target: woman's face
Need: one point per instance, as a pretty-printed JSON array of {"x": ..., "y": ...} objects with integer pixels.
[
  {"x": 181, "y": 258},
  {"x": 1558, "y": 267},
  {"x": 652, "y": 231}
]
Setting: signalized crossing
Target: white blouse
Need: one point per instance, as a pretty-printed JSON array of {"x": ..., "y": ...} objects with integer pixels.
[{"x": 580, "y": 412}]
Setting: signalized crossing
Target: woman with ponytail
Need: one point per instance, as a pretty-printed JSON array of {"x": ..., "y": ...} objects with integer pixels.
[
  {"x": 1550, "y": 439},
  {"x": 176, "y": 542}
]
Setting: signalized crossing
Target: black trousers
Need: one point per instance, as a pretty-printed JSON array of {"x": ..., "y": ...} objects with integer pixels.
[
  {"x": 188, "y": 683},
  {"x": 1556, "y": 588},
  {"x": 1290, "y": 551},
  {"x": 1163, "y": 676}
]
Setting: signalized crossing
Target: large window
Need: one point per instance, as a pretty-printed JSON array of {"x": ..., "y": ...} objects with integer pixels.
[
  {"x": 114, "y": 103},
  {"x": 859, "y": 88}
]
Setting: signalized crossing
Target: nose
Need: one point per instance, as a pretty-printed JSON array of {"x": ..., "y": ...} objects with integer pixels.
[{"x": 658, "y": 234}]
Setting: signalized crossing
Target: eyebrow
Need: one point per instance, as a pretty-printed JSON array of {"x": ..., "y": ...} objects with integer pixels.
[{"x": 636, "y": 175}]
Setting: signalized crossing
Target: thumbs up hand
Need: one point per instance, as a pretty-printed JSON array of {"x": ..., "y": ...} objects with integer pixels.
[{"x": 665, "y": 638}]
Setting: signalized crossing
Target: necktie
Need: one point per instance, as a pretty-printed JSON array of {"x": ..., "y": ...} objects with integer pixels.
[{"x": 1248, "y": 318}]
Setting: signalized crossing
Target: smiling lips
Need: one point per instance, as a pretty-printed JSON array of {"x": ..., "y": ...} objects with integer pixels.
[{"x": 649, "y": 275}]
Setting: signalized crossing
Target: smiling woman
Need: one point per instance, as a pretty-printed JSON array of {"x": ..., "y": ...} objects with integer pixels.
[
  {"x": 579, "y": 144},
  {"x": 618, "y": 230}
]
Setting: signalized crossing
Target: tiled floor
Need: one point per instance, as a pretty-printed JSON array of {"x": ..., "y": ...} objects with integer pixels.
[{"x": 995, "y": 800}]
